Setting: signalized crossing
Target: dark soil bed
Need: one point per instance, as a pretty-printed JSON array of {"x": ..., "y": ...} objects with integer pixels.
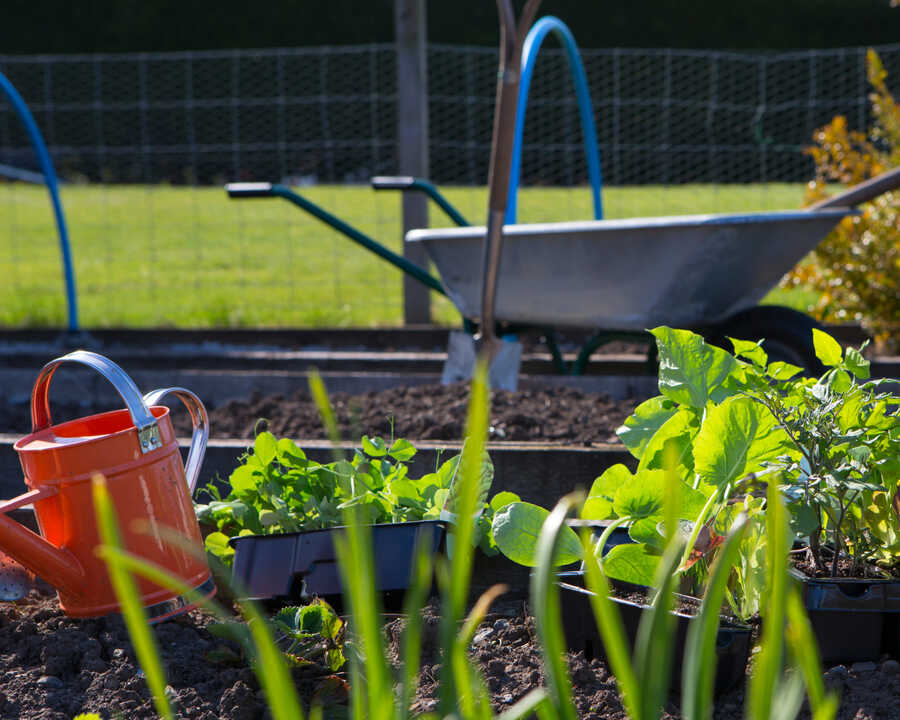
[
  {"x": 433, "y": 412},
  {"x": 52, "y": 667}
]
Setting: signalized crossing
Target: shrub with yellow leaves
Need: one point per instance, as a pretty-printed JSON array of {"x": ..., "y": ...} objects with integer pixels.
[{"x": 857, "y": 267}]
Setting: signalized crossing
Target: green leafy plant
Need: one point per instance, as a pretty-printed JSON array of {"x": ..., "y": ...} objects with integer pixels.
[
  {"x": 845, "y": 427},
  {"x": 723, "y": 425},
  {"x": 733, "y": 422},
  {"x": 311, "y": 636},
  {"x": 277, "y": 489}
]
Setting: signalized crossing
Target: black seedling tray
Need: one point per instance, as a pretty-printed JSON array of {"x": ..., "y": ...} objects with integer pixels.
[
  {"x": 293, "y": 567},
  {"x": 848, "y": 616},
  {"x": 581, "y": 633}
]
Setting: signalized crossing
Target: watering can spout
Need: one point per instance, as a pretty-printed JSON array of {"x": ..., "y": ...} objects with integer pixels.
[{"x": 56, "y": 565}]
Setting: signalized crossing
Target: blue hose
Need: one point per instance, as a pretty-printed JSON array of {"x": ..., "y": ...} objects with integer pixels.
[
  {"x": 40, "y": 149},
  {"x": 530, "y": 49}
]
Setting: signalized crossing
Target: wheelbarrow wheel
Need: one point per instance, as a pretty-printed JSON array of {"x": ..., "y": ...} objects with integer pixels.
[{"x": 786, "y": 334}]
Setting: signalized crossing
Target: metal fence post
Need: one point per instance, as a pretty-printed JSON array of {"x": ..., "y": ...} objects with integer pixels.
[{"x": 412, "y": 142}]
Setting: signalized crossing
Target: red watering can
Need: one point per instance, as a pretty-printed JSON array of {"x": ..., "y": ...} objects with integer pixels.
[{"x": 135, "y": 449}]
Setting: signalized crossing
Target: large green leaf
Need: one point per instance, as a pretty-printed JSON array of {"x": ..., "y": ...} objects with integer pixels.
[
  {"x": 632, "y": 562},
  {"x": 672, "y": 442},
  {"x": 642, "y": 497},
  {"x": 598, "y": 505},
  {"x": 689, "y": 369},
  {"x": 647, "y": 418},
  {"x": 736, "y": 438},
  {"x": 516, "y": 529}
]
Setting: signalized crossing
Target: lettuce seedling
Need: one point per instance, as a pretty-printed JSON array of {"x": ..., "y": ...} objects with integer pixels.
[{"x": 277, "y": 489}]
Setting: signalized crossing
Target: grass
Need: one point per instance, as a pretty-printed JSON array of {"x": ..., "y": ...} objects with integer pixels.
[{"x": 189, "y": 257}]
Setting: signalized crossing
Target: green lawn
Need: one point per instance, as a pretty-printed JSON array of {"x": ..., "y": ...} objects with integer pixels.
[{"x": 190, "y": 257}]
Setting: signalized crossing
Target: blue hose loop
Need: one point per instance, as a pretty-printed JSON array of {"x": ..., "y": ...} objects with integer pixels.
[
  {"x": 43, "y": 157},
  {"x": 530, "y": 49}
]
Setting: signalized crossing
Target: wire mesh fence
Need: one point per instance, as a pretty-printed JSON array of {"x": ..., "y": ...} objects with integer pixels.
[{"x": 144, "y": 141}]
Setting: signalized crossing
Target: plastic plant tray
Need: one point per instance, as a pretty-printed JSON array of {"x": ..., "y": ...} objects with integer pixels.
[{"x": 297, "y": 566}]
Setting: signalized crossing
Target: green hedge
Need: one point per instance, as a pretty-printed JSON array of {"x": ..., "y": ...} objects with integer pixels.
[{"x": 50, "y": 26}]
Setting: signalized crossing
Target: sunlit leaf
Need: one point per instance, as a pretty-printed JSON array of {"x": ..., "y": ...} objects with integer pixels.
[
  {"x": 516, "y": 529},
  {"x": 689, "y": 368},
  {"x": 828, "y": 350}
]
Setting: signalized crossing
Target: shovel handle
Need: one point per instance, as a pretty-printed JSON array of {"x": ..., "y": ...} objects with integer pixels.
[
  {"x": 200, "y": 435},
  {"x": 512, "y": 36},
  {"x": 148, "y": 431},
  {"x": 865, "y": 191}
]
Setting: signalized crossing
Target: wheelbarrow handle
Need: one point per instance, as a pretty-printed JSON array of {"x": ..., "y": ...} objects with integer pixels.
[
  {"x": 865, "y": 191},
  {"x": 407, "y": 182},
  {"x": 266, "y": 190}
]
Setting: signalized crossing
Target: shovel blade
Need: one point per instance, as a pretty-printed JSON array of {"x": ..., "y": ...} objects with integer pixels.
[{"x": 503, "y": 373}]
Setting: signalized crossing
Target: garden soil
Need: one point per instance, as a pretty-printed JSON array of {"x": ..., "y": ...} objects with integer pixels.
[
  {"x": 431, "y": 412},
  {"x": 53, "y": 667}
]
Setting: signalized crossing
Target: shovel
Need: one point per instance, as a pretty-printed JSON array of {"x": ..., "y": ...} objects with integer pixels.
[{"x": 502, "y": 355}]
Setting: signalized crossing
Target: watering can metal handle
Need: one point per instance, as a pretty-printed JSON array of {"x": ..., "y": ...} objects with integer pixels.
[
  {"x": 148, "y": 430},
  {"x": 200, "y": 436}
]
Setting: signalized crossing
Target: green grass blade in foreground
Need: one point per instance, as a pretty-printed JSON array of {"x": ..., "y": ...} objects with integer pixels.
[
  {"x": 804, "y": 653},
  {"x": 612, "y": 631},
  {"x": 412, "y": 635},
  {"x": 454, "y": 673},
  {"x": 357, "y": 567},
  {"x": 323, "y": 405},
  {"x": 787, "y": 699},
  {"x": 699, "y": 669},
  {"x": 269, "y": 666},
  {"x": 130, "y": 601},
  {"x": 654, "y": 646},
  {"x": 545, "y": 602},
  {"x": 769, "y": 661}
]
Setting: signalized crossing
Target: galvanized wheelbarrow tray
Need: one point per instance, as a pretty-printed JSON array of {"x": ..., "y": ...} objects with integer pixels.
[
  {"x": 628, "y": 274},
  {"x": 614, "y": 277}
]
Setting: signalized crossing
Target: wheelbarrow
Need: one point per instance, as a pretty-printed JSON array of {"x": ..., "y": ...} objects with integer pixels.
[{"x": 617, "y": 278}]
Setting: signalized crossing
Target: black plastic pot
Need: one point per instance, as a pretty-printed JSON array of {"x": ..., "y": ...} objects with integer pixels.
[
  {"x": 581, "y": 633},
  {"x": 293, "y": 567},
  {"x": 853, "y": 619},
  {"x": 890, "y": 636}
]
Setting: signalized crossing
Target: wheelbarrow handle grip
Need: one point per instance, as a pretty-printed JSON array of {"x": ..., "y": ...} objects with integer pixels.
[
  {"x": 393, "y": 182},
  {"x": 409, "y": 183},
  {"x": 249, "y": 190}
]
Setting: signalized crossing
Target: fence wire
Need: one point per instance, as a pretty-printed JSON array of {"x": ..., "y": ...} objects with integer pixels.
[{"x": 318, "y": 117}]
